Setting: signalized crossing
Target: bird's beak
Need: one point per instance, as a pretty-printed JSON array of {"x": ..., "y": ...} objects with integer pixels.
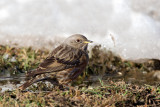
[{"x": 87, "y": 41}]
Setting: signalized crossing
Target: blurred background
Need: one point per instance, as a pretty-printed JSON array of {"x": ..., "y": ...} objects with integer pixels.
[{"x": 130, "y": 28}]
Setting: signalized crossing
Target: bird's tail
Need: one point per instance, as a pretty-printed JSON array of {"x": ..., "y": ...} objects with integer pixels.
[
  {"x": 34, "y": 80},
  {"x": 29, "y": 81},
  {"x": 26, "y": 84}
]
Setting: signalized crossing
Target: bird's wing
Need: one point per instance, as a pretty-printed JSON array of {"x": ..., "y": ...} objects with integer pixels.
[{"x": 63, "y": 57}]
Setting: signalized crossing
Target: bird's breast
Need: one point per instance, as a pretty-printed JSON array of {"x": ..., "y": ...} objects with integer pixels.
[{"x": 63, "y": 76}]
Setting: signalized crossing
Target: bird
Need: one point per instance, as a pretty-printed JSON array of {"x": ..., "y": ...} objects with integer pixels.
[{"x": 64, "y": 64}]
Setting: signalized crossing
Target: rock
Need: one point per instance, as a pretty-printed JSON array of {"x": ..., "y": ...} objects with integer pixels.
[{"x": 156, "y": 74}]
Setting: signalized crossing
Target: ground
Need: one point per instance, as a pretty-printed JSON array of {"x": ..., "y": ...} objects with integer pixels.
[{"x": 107, "y": 81}]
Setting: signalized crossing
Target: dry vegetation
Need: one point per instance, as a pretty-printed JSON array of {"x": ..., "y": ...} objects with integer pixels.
[{"x": 92, "y": 88}]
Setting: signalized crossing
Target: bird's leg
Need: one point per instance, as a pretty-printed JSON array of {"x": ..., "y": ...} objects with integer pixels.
[
  {"x": 68, "y": 87},
  {"x": 73, "y": 90}
]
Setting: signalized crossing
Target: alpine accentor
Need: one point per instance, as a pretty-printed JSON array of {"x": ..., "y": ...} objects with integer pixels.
[{"x": 64, "y": 64}]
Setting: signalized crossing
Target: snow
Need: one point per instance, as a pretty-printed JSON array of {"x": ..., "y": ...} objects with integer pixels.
[{"x": 129, "y": 28}]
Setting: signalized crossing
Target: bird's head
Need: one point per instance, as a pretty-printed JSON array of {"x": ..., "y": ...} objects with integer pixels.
[{"x": 78, "y": 41}]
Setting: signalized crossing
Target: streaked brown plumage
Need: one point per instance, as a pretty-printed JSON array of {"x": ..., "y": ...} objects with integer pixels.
[{"x": 64, "y": 64}]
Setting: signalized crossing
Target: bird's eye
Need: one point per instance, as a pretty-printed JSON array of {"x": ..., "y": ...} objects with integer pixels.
[{"x": 78, "y": 40}]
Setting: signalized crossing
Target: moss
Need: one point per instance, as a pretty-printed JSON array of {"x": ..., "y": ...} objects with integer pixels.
[
  {"x": 17, "y": 60},
  {"x": 103, "y": 67},
  {"x": 111, "y": 94}
]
